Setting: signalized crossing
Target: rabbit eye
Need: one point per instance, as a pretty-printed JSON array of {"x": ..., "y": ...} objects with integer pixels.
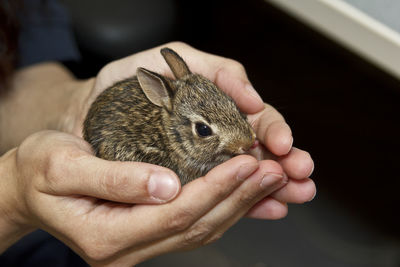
[{"x": 203, "y": 130}]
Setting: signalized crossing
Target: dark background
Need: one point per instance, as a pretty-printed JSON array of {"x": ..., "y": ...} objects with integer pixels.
[{"x": 342, "y": 109}]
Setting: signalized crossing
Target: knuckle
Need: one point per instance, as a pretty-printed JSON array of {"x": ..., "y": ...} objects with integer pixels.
[
  {"x": 116, "y": 185},
  {"x": 236, "y": 65},
  {"x": 178, "y": 44},
  {"x": 197, "y": 235},
  {"x": 96, "y": 249},
  {"x": 105, "y": 69},
  {"x": 212, "y": 238},
  {"x": 96, "y": 253},
  {"x": 57, "y": 164},
  {"x": 218, "y": 187},
  {"x": 246, "y": 199},
  {"x": 180, "y": 221},
  {"x": 31, "y": 147},
  {"x": 228, "y": 67}
]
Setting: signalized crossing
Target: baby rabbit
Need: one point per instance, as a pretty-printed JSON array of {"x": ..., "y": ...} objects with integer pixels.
[{"x": 188, "y": 124}]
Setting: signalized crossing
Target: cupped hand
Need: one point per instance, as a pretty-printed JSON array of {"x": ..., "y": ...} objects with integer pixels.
[
  {"x": 272, "y": 131},
  {"x": 86, "y": 202}
]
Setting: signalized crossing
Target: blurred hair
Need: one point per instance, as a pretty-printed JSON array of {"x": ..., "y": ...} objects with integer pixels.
[{"x": 9, "y": 31}]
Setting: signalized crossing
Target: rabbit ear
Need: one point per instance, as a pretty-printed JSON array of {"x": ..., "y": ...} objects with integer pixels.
[
  {"x": 154, "y": 87},
  {"x": 175, "y": 62}
]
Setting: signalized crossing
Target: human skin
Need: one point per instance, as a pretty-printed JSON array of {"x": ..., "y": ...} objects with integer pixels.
[{"x": 51, "y": 179}]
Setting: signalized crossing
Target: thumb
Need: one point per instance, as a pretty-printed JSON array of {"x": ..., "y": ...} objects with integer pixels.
[{"x": 127, "y": 182}]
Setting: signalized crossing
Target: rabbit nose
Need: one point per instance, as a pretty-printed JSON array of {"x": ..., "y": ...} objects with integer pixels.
[
  {"x": 255, "y": 144},
  {"x": 247, "y": 149}
]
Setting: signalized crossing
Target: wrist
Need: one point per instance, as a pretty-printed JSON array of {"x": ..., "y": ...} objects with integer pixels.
[
  {"x": 13, "y": 223},
  {"x": 71, "y": 119},
  {"x": 39, "y": 96}
]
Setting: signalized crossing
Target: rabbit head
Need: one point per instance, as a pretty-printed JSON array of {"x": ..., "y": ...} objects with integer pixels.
[{"x": 203, "y": 124}]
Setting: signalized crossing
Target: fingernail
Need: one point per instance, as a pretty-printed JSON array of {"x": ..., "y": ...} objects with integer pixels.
[
  {"x": 291, "y": 143},
  {"x": 315, "y": 193},
  {"x": 312, "y": 170},
  {"x": 245, "y": 170},
  {"x": 250, "y": 89},
  {"x": 270, "y": 179},
  {"x": 285, "y": 178},
  {"x": 162, "y": 186}
]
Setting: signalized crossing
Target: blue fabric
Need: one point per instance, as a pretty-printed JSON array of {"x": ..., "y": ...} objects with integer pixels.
[
  {"x": 46, "y": 34},
  {"x": 40, "y": 249}
]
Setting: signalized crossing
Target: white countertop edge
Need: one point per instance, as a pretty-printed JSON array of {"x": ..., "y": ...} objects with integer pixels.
[{"x": 351, "y": 27}]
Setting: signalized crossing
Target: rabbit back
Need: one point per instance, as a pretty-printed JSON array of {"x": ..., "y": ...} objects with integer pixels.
[{"x": 119, "y": 123}]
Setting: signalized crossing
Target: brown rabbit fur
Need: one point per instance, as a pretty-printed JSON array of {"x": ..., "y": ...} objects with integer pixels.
[{"x": 188, "y": 124}]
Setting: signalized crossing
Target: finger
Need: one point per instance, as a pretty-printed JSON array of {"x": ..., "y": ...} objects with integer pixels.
[
  {"x": 195, "y": 199},
  {"x": 226, "y": 73},
  {"x": 211, "y": 226},
  {"x": 266, "y": 180},
  {"x": 296, "y": 191},
  {"x": 261, "y": 153},
  {"x": 297, "y": 164},
  {"x": 268, "y": 209},
  {"x": 272, "y": 130},
  {"x": 128, "y": 182},
  {"x": 232, "y": 79}
]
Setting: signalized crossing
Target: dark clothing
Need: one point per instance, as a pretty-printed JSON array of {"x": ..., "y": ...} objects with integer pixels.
[
  {"x": 46, "y": 34},
  {"x": 40, "y": 249}
]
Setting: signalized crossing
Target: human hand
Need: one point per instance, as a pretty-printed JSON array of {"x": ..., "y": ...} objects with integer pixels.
[
  {"x": 272, "y": 131},
  {"x": 57, "y": 184}
]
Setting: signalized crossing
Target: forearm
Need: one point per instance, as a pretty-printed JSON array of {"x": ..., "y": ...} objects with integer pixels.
[
  {"x": 40, "y": 98},
  {"x": 12, "y": 224}
]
